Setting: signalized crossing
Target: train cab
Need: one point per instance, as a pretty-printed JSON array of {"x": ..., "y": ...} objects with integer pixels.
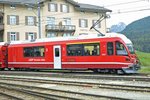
[{"x": 131, "y": 55}]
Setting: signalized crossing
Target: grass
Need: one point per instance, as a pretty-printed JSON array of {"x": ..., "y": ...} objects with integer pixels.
[{"x": 145, "y": 61}]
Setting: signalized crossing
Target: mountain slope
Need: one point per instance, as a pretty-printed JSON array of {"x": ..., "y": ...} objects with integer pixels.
[
  {"x": 139, "y": 32},
  {"x": 118, "y": 27}
]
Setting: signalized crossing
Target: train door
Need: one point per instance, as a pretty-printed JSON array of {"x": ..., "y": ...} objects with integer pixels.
[{"x": 57, "y": 57}]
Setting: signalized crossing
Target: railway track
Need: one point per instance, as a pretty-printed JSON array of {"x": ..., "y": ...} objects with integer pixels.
[
  {"x": 27, "y": 94},
  {"x": 18, "y": 83},
  {"x": 38, "y": 92},
  {"x": 6, "y": 96},
  {"x": 83, "y": 84},
  {"x": 83, "y": 75}
]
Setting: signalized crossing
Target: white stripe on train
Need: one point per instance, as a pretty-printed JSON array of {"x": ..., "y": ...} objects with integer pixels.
[{"x": 70, "y": 63}]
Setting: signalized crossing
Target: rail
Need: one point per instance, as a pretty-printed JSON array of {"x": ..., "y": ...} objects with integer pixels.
[{"x": 38, "y": 85}]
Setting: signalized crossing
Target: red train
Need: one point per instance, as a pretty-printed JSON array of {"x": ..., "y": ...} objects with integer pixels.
[{"x": 112, "y": 53}]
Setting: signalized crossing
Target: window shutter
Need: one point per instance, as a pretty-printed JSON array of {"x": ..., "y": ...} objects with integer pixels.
[
  {"x": 17, "y": 33},
  {"x": 8, "y": 20},
  {"x": 26, "y": 36},
  {"x": 49, "y": 8},
  {"x": 56, "y": 7},
  {"x": 8, "y": 36},
  {"x": 79, "y": 22},
  {"x": 86, "y": 22},
  {"x": 61, "y": 8},
  {"x": 35, "y": 21},
  {"x": 35, "y": 35},
  {"x": 17, "y": 20},
  {"x": 68, "y": 10},
  {"x": 26, "y": 20}
]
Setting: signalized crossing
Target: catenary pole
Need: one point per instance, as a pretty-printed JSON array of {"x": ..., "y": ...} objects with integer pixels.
[{"x": 39, "y": 19}]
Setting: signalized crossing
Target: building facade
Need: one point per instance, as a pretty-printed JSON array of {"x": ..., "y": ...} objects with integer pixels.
[{"x": 59, "y": 18}]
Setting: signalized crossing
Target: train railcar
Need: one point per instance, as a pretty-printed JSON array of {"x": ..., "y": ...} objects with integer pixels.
[
  {"x": 3, "y": 55},
  {"x": 98, "y": 54}
]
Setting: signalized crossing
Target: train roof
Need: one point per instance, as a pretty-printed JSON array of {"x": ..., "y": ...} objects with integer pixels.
[
  {"x": 122, "y": 36},
  {"x": 3, "y": 43},
  {"x": 81, "y": 37}
]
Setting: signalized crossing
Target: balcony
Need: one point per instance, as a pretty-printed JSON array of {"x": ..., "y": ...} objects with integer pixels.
[{"x": 61, "y": 28}]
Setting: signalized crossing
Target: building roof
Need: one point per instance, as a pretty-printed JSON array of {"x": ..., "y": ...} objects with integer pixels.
[
  {"x": 92, "y": 8},
  {"x": 78, "y": 6},
  {"x": 19, "y": 1}
]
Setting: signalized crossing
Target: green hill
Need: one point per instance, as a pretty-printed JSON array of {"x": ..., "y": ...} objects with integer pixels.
[
  {"x": 145, "y": 61},
  {"x": 139, "y": 32}
]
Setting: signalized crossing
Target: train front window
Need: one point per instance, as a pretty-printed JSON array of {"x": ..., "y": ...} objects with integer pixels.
[
  {"x": 131, "y": 49},
  {"x": 120, "y": 49}
]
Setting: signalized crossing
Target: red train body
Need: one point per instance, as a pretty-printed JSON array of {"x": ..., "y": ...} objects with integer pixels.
[
  {"x": 3, "y": 55},
  {"x": 100, "y": 53}
]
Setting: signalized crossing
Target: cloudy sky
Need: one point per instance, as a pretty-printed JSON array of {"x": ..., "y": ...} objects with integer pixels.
[{"x": 125, "y": 11}]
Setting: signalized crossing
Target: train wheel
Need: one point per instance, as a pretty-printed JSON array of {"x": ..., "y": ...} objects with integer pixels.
[
  {"x": 120, "y": 72},
  {"x": 95, "y": 70}
]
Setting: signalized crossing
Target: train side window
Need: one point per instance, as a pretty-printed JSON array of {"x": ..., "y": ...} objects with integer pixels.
[
  {"x": 74, "y": 50},
  {"x": 88, "y": 49},
  {"x": 91, "y": 49},
  {"x": 120, "y": 49},
  {"x": 110, "y": 48},
  {"x": 34, "y": 51},
  {"x": 38, "y": 51},
  {"x": 28, "y": 52}
]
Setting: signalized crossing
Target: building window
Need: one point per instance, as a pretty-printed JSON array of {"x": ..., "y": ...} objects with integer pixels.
[
  {"x": 13, "y": 6},
  {"x": 83, "y": 23},
  {"x": 12, "y": 20},
  {"x": 34, "y": 51},
  {"x": 66, "y": 34},
  {"x": 31, "y": 36},
  {"x": 50, "y": 20},
  {"x": 52, "y": 7},
  {"x": 98, "y": 24},
  {"x": 51, "y": 34},
  {"x": 67, "y": 21},
  {"x": 30, "y": 8},
  {"x": 64, "y": 8},
  {"x": 30, "y": 20},
  {"x": 12, "y": 36}
]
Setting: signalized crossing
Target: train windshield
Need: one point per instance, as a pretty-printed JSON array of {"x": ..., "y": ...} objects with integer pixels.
[{"x": 131, "y": 49}]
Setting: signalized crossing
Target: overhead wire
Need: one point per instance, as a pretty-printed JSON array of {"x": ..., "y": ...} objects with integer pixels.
[{"x": 124, "y": 3}]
